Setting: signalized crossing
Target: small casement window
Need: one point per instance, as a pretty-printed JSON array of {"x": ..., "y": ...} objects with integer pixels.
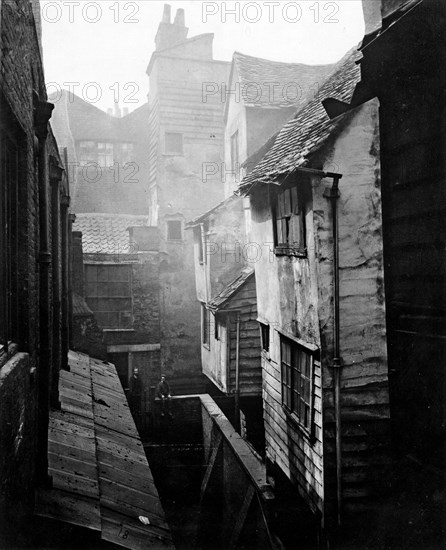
[
  {"x": 297, "y": 382},
  {"x": 205, "y": 325},
  {"x": 174, "y": 230},
  {"x": 264, "y": 336},
  {"x": 289, "y": 221},
  {"x": 173, "y": 143}
]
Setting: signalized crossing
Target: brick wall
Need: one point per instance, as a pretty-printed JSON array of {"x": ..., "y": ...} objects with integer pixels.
[{"x": 24, "y": 406}]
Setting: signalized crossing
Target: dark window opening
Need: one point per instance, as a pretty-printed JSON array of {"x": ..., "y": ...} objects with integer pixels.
[
  {"x": 174, "y": 230},
  {"x": 264, "y": 335},
  {"x": 297, "y": 382}
]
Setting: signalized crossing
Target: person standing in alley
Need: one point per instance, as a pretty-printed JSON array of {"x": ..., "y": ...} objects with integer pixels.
[{"x": 163, "y": 392}]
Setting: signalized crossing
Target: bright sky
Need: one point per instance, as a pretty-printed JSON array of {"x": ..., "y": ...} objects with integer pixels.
[{"x": 104, "y": 47}]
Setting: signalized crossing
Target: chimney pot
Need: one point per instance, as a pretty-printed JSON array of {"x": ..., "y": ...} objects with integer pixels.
[
  {"x": 166, "y": 13},
  {"x": 180, "y": 18}
]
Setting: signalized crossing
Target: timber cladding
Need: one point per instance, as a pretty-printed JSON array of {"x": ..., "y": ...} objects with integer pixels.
[{"x": 295, "y": 297}]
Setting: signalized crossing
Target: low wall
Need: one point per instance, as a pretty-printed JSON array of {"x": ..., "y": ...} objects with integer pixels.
[{"x": 18, "y": 441}]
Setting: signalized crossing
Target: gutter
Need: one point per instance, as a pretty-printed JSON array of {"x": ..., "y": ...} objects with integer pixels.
[{"x": 333, "y": 195}]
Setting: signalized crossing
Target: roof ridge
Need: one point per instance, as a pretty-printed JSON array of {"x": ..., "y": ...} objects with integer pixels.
[{"x": 285, "y": 63}]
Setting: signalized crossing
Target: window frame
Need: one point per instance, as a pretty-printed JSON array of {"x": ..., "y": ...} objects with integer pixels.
[
  {"x": 291, "y": 211},
  {"x": 291, "y": 388},
  {"x": 90, "y": 297},
  {"x": 265, "y": 337}
]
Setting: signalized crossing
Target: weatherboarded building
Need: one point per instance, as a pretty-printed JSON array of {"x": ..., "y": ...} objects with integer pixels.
[
  {"x": 315, "y": 198},
  {"x": 186, "y": 136},
  {"x": 226, "y": 290}
]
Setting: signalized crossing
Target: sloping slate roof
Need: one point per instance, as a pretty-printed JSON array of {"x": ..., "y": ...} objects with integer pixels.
[
  {"x": 107, "y": 233},
  {"x": 304, "y": 134},
  {"x": 228, "y": 292},
  {"x": 254, "y": 72}
]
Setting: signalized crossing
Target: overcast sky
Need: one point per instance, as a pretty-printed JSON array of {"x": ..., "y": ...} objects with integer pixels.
[{"x": 104, "y": 47}]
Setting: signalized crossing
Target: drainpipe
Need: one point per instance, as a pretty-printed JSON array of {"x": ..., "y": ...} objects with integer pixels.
[
  {"x": 333, "y": 195},
  {"x": 42, "y": 115},
  {"x": 56, "y": 173},
  {"x": 65, "y": 205},
  {"x": 237, "y": 374}
]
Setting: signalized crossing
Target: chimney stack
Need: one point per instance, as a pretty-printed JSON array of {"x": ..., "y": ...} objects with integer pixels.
[
  {"x": 117, "y": 111},
  {"x": 180, "y": 18},
  {"x": 170, "y": 34},
  {"x": 166, "y": 13}
]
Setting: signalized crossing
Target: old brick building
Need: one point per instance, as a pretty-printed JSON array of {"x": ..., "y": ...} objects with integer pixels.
[
  {"x": 116, "y": 289},
  {"x": 34, "y": 245},
  {"x": 186, "y": 132}
]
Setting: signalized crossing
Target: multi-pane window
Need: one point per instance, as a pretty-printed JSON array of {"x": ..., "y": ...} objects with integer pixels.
[
  {"x": 109, "y": 294},
  {"x": 87, "y": 152},
  {"x": 205, "y": 325},
  {"x": 173, "y": 143},
  {"x": 105, "y": 153},
  {"x": 264, "y": 335},
  {"x": 289, "y": 221},
  {"x": 297, "y": 381},
  {"x": 9, "y": 188},
  {"x": 174, "y": 230}
]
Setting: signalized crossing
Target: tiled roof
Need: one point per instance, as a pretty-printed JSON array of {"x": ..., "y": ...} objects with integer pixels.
[
  {"x": 228, "y": 292},
  {"x": 294, "y": 83},
  {"x": 107, "y": 233},
  {"x": 304, "y": 134}
]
